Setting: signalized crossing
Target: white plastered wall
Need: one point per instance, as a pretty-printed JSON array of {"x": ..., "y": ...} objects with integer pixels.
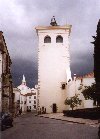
[{"x": 54, "y": 61}]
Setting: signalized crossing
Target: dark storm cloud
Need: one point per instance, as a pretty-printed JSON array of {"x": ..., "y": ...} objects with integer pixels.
[
  {"x": 18, "y": 19},
  {"x": 26, "y": 67},
  {"x": 82, "y": 64}
]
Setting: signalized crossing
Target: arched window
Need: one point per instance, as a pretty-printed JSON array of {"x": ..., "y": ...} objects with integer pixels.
[
  {"x": 59, "y": 39},
  {"x": 47, "y": 39}
]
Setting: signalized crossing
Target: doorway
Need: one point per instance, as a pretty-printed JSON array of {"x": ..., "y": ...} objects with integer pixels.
[{"x": 54, "y": 108}]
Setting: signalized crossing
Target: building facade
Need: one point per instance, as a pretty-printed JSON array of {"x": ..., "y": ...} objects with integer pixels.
[
  {"x": 6, "y": 86},
  {"x": 24, "y": 89},
  {"x": 23, "y": 103},
  {"x": 53, "y": 66},
  {"x": 77, "y": 85},
  {"x": 31, "y": 102},
  {"x": 34, "y": 92},
  {"x": 28, "y": 97}
]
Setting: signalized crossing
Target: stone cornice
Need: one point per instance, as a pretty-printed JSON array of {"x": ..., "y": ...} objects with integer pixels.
[{"x": 65, "y": 27}]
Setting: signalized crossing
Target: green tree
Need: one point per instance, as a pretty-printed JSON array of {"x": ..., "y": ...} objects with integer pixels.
[
  {"x": 89, "y": 92},
  {"x": 97, "y": 62},
  {"x": 73, "y": 101}
]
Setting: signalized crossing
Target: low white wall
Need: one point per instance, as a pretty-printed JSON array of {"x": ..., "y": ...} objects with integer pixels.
[{"x": 88, "y": 103}]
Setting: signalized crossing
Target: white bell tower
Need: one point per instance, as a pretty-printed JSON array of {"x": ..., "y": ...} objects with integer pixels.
[{"x": 53, "y": 66}]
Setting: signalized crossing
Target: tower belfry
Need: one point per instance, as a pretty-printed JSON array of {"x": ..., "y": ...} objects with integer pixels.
[{"x": 53, "y": 66}]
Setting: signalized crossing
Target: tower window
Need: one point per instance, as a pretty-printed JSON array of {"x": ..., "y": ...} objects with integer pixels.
[
  {"x": 47, "y": 39},
  {"x": 59, "y": 39}
]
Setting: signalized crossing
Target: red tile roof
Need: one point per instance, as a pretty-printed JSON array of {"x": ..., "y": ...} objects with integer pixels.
[{"x": 89, "y": 75}]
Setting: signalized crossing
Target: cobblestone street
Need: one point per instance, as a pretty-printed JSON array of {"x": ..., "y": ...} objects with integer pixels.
[{"x": 29, "y": 126}]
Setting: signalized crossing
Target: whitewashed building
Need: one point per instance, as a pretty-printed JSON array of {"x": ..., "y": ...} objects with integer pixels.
[
  {"x": 23, "y": 102},
  {"x": 20, "y": 101},
  {"x": 28, "y": 97},
  {"x": 32, "y": 100},
  {"x": 77, "y": 85},
  {"x": 53, "y": 66},
  {"x": 23, "y": 87},
  {"x": 35, "y": 96}
]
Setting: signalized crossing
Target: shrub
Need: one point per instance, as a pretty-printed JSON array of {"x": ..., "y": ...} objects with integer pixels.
[{"x": 73, "y": 101}]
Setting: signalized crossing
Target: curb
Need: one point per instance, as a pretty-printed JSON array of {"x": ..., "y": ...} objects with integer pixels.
[
  {"x": 70, "y": 121},
  {"x": 63, "y": 120}
]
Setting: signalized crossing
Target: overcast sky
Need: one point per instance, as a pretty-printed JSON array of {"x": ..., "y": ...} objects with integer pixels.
[{"x": 18, "y": 19}]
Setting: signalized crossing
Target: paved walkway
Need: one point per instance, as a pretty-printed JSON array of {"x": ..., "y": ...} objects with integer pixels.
[
  {"x": 59, "y": 116},
  {"x": 29, "y": 126}
]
